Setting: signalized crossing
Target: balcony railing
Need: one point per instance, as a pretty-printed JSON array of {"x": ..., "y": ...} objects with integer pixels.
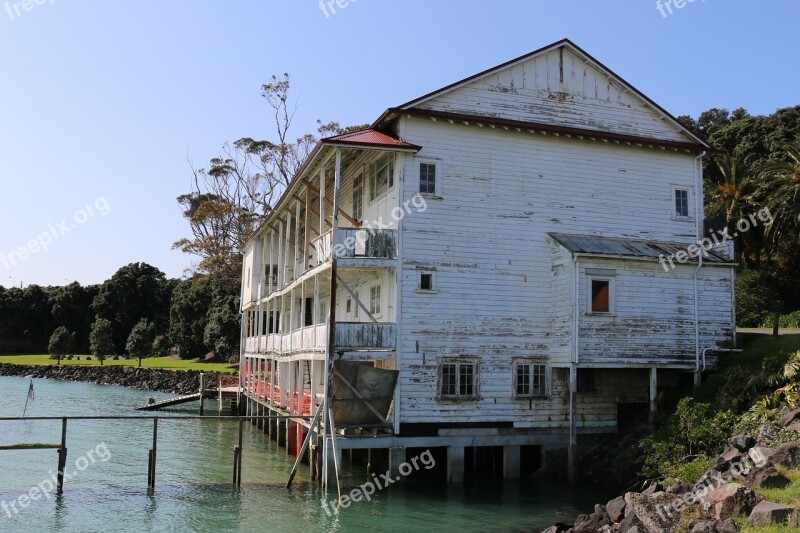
[
  {"x": 356, "y": 242},
  {"x": 349, "y": 336}
]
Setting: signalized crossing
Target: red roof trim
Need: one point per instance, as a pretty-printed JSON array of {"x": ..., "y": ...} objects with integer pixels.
[{"x": 370, "y": 138}]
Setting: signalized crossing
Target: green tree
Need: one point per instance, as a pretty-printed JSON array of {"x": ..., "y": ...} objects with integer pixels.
[
  {"x": 779, "y": 191},
  {"x": 140, "y": 341},
  {"x": 161, "y": 346},
  {"x": 101, "y": 342},
  {"x": 135, "y": 291},
  {"x": 191, "y": 301},
  {"x": 222, "y": 331},
  {"x": 61, "y": 342}
]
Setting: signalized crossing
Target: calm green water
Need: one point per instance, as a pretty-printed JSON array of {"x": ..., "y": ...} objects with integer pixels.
[{"x": 193, "y": 489}]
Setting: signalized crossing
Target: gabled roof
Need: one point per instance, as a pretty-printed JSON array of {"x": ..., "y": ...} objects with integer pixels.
[
  {"x": 412, "y": 108},
  {"x": 628, "y": 248},
  {"x": 370, "y": 138}
]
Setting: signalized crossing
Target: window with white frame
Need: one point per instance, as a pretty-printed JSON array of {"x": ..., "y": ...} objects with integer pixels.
[
  {"x": 457, "y": 379},
  {"x": 375, "y": 300},
  {"x": 427, "y": 177},
  {"x": 358, "y": 197},
  {"x": 426, "y": 281},
  {"x": 530, "y": 379},
  {"x": 381, "y": 176},
  {"x": 601, "y": 295},
  {"x": 681, "y": 202}
]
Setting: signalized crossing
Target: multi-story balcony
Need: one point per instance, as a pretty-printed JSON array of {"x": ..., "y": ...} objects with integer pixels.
[{"x": 350, "y": 337}]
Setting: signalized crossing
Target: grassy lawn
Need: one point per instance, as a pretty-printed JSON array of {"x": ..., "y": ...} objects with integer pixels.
[{"x": 154, "y": 362}]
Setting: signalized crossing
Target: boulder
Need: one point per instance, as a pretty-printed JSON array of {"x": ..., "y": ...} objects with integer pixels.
[
  {"x": 651, "y": 487},
  {"x": 730, "y": 501},
  {"x": 631, "y": 524},
  {"x": 727, "y": 526},
  {"x": 702, "y": 526},
  {"x": 742, "y": 442},
  {"x": 766, "y": 513},
  {"x": 658, "y": 513},
  {"x": 593, "y": 521},
  {"x": 759, "y": 455},
  {"x": 675, "y": 488},
  {"x": 794, "y": 426},
  {"x": 789, "y": 416},
  {"x": 616, "y": 509},
  {"x": 786, "y": 455},
  {"x": 767, "y": 477}
]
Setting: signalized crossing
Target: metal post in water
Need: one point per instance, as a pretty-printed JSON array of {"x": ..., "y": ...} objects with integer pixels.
[
  {"x": 239, "y": 463},
  {"x": 62, "y": 458},
  {"x": 151, "y": 465},
  {"x": 202, "y": 391}
]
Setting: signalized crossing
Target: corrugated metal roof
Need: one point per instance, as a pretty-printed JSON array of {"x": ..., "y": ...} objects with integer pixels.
[
  {"x": 370, "y": 137},
  {"x": 614, "y": 246}
]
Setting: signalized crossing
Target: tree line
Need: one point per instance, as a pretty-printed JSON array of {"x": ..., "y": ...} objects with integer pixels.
[{"x": 137, "y": 312}]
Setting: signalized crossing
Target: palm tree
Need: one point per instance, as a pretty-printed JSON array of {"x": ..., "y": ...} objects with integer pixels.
[
  {"x": 779, "y": 190},
  {"x": 732, "y": 197}
]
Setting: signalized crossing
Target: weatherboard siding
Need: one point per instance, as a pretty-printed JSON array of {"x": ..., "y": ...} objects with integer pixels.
[
  {"x": 535, "y": 91},
  {"x": 502, "y": 290}
]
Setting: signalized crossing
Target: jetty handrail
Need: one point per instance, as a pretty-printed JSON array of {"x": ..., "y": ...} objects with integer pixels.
[{"x": 151, "y": 459}]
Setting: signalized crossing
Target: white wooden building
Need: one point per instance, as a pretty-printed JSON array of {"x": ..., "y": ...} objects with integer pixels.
[{"x": 505, "y": 244}]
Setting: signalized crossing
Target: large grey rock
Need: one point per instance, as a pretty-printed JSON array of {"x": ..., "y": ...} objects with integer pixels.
[
  {"x": 730, "y": 501},
  {"x": 742, "y": 442},
  {"x": 789, "y": 416},
  {"x": 616, "y": 509},
  {"x": 658, "y": 513},
  {"x": 787, "y": 455},
  {"x": 767, "y": 477},
  {"x": 594, "y": 521},
  {"x": 766, "y": 513}
]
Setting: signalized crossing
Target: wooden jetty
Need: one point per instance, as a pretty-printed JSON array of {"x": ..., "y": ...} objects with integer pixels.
[{"x": 227, "y": 390}]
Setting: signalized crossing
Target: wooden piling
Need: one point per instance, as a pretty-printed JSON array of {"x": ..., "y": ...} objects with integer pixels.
[
  {"x": 151, "y": 463},
  {"x": 62, "y": 458}
]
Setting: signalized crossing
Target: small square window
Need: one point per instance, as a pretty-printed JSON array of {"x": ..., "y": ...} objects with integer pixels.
[
  {"x": 530, "y": 380},
  {"x": 427, "y": 178},
  {"x": 681, "y": 203},
  {"x": 426, "y": 281},
  {"x": 457, "y": 380},
  {"x": 601, "y": 296},
  {"x": 375, "y": 300}
]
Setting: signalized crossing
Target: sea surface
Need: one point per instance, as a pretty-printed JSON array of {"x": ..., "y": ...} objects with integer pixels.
[{"x": 107, "y": 486}]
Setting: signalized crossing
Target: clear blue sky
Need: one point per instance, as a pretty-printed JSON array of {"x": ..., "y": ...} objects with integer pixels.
[{"x": 103, "y": 102}]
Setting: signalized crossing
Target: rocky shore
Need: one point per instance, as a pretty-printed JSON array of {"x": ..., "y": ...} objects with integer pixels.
[
  {"x": 728, "y": 490},
  {"x": 148, "y": 379}
]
